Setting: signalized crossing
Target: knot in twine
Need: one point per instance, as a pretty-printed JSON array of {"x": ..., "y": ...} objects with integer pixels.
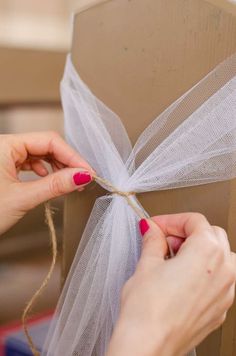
[
  {"x": 126, "y": 195},
  {"x": 53, "y": 239}
]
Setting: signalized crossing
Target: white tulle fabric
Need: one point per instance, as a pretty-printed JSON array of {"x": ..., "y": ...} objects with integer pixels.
[{"x": 192, "y": 142}]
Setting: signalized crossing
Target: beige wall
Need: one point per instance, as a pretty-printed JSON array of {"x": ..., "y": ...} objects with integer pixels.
[
  {"x": 35, "y": 24},
  {"x": 17, "y": 119}
]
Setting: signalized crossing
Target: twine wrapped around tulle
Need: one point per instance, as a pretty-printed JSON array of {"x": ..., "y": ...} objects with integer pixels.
[{"x": 123, "y": 194}]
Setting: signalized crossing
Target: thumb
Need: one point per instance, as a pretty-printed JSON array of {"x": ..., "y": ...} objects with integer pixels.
[
  {"x": 31, "y": 194},
  {"x": 154, "y": 240}
]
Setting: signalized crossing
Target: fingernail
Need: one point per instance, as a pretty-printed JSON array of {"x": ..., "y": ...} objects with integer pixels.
[
  {"x": 143, "y": 226},
  {"x": 81, "y": 178}
]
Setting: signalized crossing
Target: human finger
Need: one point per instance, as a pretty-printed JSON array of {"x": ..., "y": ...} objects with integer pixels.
[
  {"x": 175, "y": 243},
  {"x": 181, "y": 225},
  {"x": 222, "y": 237},
  {"x": 46, "y": 143},
  {"x": 32, "y": 193},
  {"x": 154, "y": 244}
]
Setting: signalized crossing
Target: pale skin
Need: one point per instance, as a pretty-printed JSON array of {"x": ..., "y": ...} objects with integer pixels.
[{"x": 169, "y": 305}]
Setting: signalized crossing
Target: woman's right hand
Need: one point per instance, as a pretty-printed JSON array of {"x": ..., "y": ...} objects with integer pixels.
[{"x": 170, "y": 305}]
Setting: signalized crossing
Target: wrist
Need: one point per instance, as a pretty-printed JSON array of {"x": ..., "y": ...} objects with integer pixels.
[{"x": 129, "y": 339}]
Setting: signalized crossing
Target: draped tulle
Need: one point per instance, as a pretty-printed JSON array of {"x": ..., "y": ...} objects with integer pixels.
[{"x": 192, "y": 142}]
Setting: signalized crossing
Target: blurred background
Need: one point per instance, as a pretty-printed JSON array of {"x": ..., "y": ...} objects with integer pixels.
[
  {"x": 35, "y": 37},
  {"x": 34, "y": 40}
]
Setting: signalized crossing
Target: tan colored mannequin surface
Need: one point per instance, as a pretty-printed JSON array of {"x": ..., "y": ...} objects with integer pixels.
[
  {"x": 82, "y": 5},
  {"x": 138, "y": 57}
]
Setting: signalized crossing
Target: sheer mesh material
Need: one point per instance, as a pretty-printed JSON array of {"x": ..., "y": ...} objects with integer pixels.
[{"x": 192, "y": 142}]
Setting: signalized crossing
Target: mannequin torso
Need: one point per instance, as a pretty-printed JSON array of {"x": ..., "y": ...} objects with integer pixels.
[{"x": 138, "y": 57}]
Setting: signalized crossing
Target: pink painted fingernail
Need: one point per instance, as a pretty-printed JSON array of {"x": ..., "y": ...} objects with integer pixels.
[
  {"x": 143, "y": 226},
  {"x": 81, "y": 178}
]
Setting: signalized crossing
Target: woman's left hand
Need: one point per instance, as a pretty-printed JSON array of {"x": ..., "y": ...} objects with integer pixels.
[{"x": 28, "y": 152}]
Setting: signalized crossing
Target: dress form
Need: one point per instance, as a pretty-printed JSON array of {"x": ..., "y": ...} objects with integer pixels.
[{"x": 138, "y": 57}]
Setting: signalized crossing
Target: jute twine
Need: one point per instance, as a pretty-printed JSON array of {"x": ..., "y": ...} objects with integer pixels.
[
  {"x": 50, "y": 223},
  {"x": 126, "y": 195},
  {"x": 34, "y": 299}
]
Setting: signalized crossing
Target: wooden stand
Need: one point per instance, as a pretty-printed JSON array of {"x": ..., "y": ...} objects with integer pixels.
[{"x": 138, "y": 57}]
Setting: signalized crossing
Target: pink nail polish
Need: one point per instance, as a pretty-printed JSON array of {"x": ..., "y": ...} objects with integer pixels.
[
  {"x": 81, "y": 178},
  {"x": 143, "y": 226}
]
